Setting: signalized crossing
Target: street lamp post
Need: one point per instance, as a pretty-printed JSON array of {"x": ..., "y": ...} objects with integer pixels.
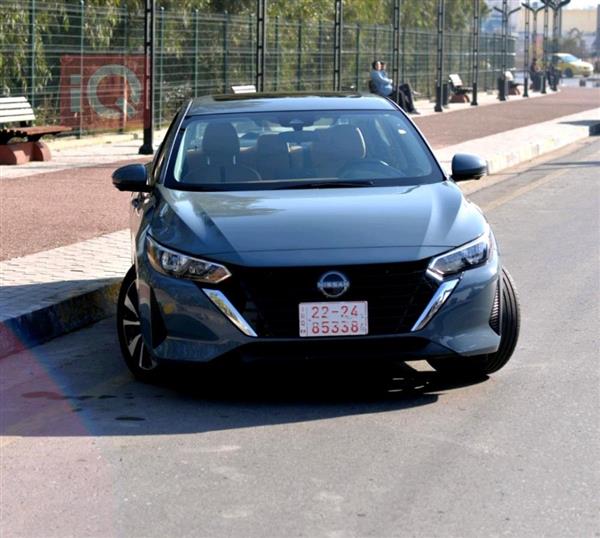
[
  {"x": 475, "y": 66},
  {"x": 506, "y": 13},
  {"x": 396, "y": 50},
  {"x": 439, "y": 84},
  {"x": 555, "y": 6},
  {"x": 545, "y": 44},
  {"x": 534, "y": 11},
  {"x": 337, "y": 45},
  {"x": 146, "y": 148},
  {"x": 261, "y": 43},
  {"x": 526, "y": 51}
]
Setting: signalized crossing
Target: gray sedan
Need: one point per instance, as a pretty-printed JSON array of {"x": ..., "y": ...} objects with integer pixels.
[{"x": 309, "y": 226}]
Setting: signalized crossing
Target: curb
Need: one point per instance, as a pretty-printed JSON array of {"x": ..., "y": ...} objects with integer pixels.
[
  {"x": 73, "y": 313},
  {"x": 39, "y": 326},
  {"x": 533, "y": 150}
]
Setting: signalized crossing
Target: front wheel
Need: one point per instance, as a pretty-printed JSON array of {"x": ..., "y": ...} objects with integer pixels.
[
  {"x": 509, "y": 331},
  {"x": 135, "y": 353}
]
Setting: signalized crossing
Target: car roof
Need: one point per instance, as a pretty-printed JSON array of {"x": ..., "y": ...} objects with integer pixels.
[{"x": 279, "y": 102}]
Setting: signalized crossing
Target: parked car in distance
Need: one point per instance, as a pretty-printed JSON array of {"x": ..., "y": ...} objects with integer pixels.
[
  {"x": 309, "y": 226},
  {"x": 570, "y": 65}
]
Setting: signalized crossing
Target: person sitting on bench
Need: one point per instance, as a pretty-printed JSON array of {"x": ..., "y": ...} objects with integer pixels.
[
  {"x": 535, "y": 73},
  {"x": 383, "y": 85}
]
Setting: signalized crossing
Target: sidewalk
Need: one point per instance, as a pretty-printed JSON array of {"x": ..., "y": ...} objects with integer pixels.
[{"x": 54, "y": 291}]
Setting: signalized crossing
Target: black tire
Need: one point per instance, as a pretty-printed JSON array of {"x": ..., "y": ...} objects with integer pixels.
[
  {"x": 509, "y": 330},
  {"x": 568, "y": 73},
  {"x": 136, "y": 354}
]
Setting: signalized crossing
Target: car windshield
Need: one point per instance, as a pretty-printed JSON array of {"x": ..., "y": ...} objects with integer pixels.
[
  {"x": 569, "y": 58},
  {"x": 303, "y": 149}
]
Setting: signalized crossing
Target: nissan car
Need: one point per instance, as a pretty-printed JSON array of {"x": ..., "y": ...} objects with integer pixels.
[{"x": 314, "y": 227}]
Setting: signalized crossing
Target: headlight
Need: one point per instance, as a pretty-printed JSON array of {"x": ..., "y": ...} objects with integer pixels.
[
  {"x": 467, "y": 256},
  {"x": 170, "y": 262}
]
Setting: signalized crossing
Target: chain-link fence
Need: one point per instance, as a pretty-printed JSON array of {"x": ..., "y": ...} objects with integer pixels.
[{"x": 83, "y": 66}]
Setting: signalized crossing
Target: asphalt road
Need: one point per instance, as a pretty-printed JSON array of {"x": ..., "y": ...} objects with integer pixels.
[{"x": 306, "y": 451}]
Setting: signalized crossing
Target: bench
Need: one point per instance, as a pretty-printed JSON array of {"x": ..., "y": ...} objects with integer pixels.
[
  {"x": 17, "y": 110},
  {"x": 460, "y": 92},
  {"x": 513, "y": 87},
  {"x": 243, "y": 88}
]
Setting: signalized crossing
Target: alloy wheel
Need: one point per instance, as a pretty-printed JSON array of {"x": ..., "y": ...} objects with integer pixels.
[{"x": 132, "y": 331}]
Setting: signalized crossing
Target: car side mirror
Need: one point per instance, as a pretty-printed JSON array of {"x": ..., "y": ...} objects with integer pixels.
[
  {"x": 133, "y": 178},
  {"x": 468, "y": 166}
]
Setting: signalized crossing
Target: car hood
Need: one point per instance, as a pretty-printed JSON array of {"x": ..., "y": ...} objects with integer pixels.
[{"x": 316, "y": 226}]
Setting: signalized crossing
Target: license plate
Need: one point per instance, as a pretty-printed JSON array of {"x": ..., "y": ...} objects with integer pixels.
[{"x": 334, "y": 319}]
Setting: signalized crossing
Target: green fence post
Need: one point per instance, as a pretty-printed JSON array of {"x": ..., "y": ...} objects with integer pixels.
[
  {"x": 299, "y": 59},
  {"x": 196, "y": 37},
  {"x": 125, "y": 30},
  {"x": 251, "y": 48},
  {"x": 123, "y": 13},
  {"x": 32, "y": 35},
  {"x": 403, "y": 59},
  {"x": 161, "y": 41},
  {"x": 81, "y": 42},
  {"x": 375, "y": 43},
  {"x": 277, "y": 53},
  {"x": 460, "y": 55},
  {"x": 357, "y": 66},
  {"x": 321, "y": 54},
  {"x": 226, "y": 53}
]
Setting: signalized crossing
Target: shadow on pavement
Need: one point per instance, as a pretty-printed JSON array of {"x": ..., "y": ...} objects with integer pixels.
[
  {"x": 570, "y": 164},
  {"x": 86, "y": 398},
  {"x": 582, "y": 123}
]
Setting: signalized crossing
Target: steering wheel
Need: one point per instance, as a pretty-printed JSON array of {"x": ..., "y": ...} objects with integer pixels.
[{"x": 359, "y": 168}]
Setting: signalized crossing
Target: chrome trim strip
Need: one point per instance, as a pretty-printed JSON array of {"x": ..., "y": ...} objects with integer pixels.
[
  {"x": 230, "y": 312},
  {"x": 438, "y": 299}
]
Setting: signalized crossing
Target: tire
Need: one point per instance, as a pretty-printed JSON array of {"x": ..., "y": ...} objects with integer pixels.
[
  {"x": 568, "y": 73},
  {"x": 509, "y": 330},
  {"x": 137, "y": 356}
]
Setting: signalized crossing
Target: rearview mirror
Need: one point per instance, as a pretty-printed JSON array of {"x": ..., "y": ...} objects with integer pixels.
[
  {"x": 468, "y": 166},
  {"x": 133, "y": 178}
]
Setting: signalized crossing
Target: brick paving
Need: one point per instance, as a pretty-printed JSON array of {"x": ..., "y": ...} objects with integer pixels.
[
  {"x": 33, "y": 282},
  {"x": 467, "y": 124}
]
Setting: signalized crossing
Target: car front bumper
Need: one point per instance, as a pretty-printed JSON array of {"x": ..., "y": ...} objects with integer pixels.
[{"x": 181, "y": 323}]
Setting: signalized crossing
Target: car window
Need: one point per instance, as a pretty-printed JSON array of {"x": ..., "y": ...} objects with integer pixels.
[
  {"x": 569, "y": 58},
  {"x": 278, "y": 149}
]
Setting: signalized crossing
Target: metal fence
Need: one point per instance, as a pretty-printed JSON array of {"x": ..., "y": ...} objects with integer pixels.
[{"x": 83, "y": 65}]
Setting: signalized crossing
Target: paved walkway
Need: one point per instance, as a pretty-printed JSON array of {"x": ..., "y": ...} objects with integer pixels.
[{"x": 60, "y": 289}]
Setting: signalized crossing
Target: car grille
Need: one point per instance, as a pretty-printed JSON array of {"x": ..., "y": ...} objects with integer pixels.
[{"x": 268, "y": 298}]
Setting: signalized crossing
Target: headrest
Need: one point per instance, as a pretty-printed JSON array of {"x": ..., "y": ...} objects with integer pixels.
[
  {"x": 220, "y": 143},
  {"x": 271, "y": 144},
  {"x": 345, "y": 142}
]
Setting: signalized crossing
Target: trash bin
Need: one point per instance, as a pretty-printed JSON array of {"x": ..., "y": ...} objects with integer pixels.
[
  {"x": 445, "y": 94},
  {"x": 502, "y": 88}
]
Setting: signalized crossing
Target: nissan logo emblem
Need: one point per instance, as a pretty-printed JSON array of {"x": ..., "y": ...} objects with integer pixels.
[{"x": 333, "y": 284}]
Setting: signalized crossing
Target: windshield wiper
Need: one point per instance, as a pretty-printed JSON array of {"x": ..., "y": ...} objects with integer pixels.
[{"x": 328, "y": 184}]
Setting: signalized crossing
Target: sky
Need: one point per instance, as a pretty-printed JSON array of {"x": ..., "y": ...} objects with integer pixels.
[{"x": 581, "y": 4}]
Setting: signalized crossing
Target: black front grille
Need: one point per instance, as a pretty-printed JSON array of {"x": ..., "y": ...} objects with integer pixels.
[{"x": 268, "y": 298}]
